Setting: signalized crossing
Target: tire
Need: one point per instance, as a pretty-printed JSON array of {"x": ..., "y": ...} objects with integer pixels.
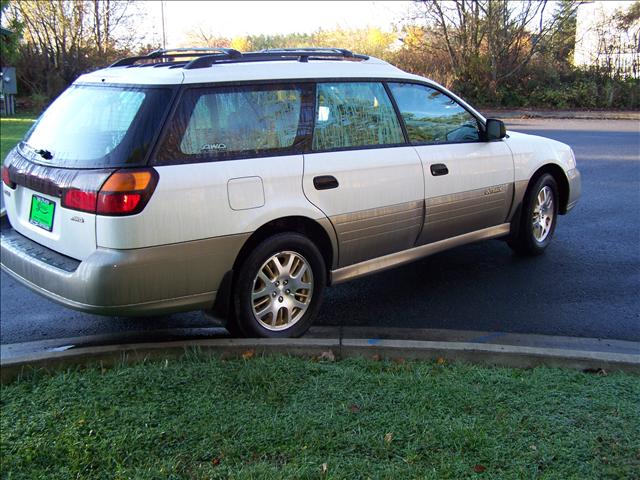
[
  {"x": 279, "y": 288},
  {"x": 537, "y": 226}
]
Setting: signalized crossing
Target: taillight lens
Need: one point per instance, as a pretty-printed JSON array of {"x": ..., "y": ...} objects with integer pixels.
[
  {"x": 118, "y": 203},
  {"x": 80, "y": 200},
  {"x": 5, "y": 177},
  {"x": 126, "y": 192}
]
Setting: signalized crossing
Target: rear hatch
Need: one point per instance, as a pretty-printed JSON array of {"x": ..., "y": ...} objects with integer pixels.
[{"x": 91, "y": 137}]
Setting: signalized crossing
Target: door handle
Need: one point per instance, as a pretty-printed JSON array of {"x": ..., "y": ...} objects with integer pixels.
[
  {"x": 325, "y": 182},
  {"x": 438, "y": 169}
]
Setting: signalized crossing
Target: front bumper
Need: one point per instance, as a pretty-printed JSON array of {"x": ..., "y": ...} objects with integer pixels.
[
  {"x": 575, "y": 188},
  {"x": 147, "y": 281}
]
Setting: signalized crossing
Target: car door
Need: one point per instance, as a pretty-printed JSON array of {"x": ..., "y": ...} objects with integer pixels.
[
  {"x": 468, "y": 181},
  {"x": 360, "y": 172}
]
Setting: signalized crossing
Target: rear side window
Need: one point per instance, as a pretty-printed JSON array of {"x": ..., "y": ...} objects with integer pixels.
[
  {"x": 354, "y": 114},
  {"x": 432, "y": 117},
  {"x": 215, "y": 124}
]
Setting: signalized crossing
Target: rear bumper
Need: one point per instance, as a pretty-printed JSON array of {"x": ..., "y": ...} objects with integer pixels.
[
  {"x": 148, "y": 281},
  {"x": 575, "y": 188}
]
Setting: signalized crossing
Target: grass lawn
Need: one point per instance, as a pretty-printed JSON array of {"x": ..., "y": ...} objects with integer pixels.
[
  {"x": 12, "y": 129},
  {"x": 294, "y": 418}
]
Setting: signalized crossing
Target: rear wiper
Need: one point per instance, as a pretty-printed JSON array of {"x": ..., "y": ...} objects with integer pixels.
[{"x": 46, "y": 154}]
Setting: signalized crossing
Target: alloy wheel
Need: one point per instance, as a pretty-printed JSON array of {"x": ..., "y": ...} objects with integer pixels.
[
  {"x": 543, "y": 214},
  {"x": 282, "y": 290}
]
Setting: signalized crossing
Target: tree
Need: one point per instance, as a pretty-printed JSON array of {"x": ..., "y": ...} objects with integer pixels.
[
  {"x": 629, "y": 18},
  {"x": 200, "y": 37},
  {"x": 64, "y": 38},
  {"x": 486, "y": 42},
  {"x": 559, "y": 46},
  {"x": 369, "y": 41},
  {"x": 291, "y": 40},
  {"x": 242, "y": 44},
  {"x": 10, "y": 39}
]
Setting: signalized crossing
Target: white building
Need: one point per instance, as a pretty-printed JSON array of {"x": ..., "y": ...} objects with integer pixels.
[{"x": 601, "y": 41}]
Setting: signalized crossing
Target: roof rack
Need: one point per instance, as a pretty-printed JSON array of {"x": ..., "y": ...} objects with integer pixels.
[
  {"x": 275, "y": 54},
  {"x": 311, "y": 50},
  {"x": 172, "y": 53},
  {"x": 206, "y": 57}
]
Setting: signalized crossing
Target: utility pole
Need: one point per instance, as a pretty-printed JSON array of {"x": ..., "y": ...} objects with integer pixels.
[{"x": 164, "y": 36}]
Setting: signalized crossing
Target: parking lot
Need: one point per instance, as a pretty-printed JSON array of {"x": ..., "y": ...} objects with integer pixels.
[{"x": 586, "y": 285}]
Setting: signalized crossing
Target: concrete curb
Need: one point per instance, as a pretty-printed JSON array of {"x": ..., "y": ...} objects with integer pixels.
[
  {"x": 562, "y": 114},
  {"x": 493, "y": 355}
]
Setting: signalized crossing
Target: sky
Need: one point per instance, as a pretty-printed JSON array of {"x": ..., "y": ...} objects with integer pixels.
[{"x": 241, "y": 18}]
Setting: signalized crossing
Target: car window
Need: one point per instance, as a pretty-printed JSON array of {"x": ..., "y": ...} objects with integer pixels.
[
  {"x": 353, "y": 115},
  {"x": 92, "y": 126},
  {"x": 234, "y": 121},
  {"x": 433, "y": 117}
]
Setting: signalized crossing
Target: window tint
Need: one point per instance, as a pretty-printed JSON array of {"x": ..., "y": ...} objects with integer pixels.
[
  {"x": 432, "y": 117},
  {"x": 232, "y": 122},
  {"x": 353, "y": 115},
  {"x": 91, "y": 126}
]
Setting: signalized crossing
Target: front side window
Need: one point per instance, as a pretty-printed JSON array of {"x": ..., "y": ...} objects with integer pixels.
[
  {"x": 354, "y": 114},
  {"x": 432, "y": 117},
  {"x": 231, "y": 122}
]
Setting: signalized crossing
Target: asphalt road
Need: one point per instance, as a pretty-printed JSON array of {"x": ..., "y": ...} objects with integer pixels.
[{"x": 586, "y": 285}]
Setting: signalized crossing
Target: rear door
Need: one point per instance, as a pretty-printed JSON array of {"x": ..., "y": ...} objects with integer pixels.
[
  {"x": 468, "y": 182},
  {"x": 34, "y": 205},
  {"x": 361, "y": 173}
]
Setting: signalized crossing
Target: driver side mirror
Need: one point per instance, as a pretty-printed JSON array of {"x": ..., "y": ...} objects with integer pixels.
[{"x": 495, "y": 129}]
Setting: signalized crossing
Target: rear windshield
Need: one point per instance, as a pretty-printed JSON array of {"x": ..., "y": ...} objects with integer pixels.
[{"x": 98, "y": 126}]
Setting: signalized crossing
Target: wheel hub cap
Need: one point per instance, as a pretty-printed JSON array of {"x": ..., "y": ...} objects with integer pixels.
[
  {"x": 543, "y": 214},
  {"x": 282, "y": 291}
]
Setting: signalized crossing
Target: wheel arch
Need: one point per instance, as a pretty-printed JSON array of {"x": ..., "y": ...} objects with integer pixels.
[
  {"x": 320, "y": 232},
  {"x": 557, "y": 172},
  {"x": 561, "y": 179}
]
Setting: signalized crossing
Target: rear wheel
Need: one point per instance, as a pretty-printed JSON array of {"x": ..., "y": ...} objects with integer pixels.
[
  {"x": 538, "y": 218},
  {"x": 279, "y": 287}
]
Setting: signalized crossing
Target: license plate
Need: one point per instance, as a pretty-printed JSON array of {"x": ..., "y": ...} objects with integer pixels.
[{"x": 42, "y": 212}]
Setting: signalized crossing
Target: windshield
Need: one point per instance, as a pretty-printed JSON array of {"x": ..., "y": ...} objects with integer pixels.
[{"x": 98, "y": 126}]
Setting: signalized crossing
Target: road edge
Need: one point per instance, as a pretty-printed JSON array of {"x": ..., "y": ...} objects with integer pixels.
[
  {"x": 508, "y": 114},
  {"x": 484, "y": 354}
]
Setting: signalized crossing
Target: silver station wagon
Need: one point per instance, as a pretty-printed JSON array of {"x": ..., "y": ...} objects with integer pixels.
[{"x": 245, "y": 183}]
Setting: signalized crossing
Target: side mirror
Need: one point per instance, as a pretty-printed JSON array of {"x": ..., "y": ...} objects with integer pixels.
[{"x": 495, "y": 129}]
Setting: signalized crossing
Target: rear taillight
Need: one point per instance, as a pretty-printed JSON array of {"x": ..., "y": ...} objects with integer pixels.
[
  {"x": 126, "y": 192},
  {"x": 5, "y": 177},
  {"x": 80, "y": 200}
]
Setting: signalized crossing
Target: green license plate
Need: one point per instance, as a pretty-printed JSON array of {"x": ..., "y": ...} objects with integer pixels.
[{"x": 42, "y": 212}]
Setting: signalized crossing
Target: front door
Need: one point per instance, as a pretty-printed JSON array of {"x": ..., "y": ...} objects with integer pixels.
[{"x": 468, "y": 182}]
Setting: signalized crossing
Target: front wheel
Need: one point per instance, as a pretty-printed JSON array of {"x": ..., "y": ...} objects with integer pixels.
[
  {"x": 279, "y": 287},
  {"x": 538, "y": 218}
]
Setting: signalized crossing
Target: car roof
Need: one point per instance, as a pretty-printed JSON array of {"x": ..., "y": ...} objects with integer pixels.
[
  {"x": 285, "y": 70},
  {"x": 159, "y": 74}
]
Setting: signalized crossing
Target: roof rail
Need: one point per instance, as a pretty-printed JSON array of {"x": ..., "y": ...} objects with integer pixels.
[
  {"x": 171, "y": 53},
  {"x": 275, "y": 54},
  {"x": 343, "y": 51},
  {"x": 206, "y": 57}
]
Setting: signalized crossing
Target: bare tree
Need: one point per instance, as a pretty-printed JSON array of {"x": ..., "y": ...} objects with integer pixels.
[
  {"x": 489, "y": 40},
  {"x": 63, "y": 38},
  {"x": 200, "y": 36}
]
